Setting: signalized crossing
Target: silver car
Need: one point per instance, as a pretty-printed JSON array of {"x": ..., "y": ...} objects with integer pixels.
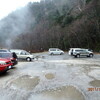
[
  {"x": 55, "y": 51},
  {"x": 82, "y": 52},
  {"x": 22, "y": 54}
]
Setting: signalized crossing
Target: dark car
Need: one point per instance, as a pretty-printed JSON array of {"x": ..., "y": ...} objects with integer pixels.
[{"x": 9, "y": 56}]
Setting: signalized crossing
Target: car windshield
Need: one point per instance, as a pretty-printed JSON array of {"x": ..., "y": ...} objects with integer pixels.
[
  {"x": 27, "y": 53},
  {"x": 5, "y": 55},
  {"x": 3, "y": 50}
]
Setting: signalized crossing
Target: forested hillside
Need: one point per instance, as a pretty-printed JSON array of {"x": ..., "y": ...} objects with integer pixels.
[{"x": 62, "y": 24}]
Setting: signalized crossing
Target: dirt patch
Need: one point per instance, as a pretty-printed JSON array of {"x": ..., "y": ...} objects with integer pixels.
[
  {"x": 50, "y": 76},
  {"x": 64, "y": 93},
  {"x": 95, "y": 83},
  {"x": 26, "y": 82}
]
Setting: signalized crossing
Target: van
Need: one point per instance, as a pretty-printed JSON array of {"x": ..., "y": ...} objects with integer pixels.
[
  {"x": 56, "y": 51},
  {"x": 22, "y": 54},
  {"x": 70, "y": 52}
]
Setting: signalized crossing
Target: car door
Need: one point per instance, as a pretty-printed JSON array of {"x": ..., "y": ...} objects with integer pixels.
[
  {"x": 54, "y": 51},
  {"x": 84, "y": 52},
  {"x": 81, "y": 52},
  {"x": 22, "y": 55},
  {"x": 58, "y": 51}
]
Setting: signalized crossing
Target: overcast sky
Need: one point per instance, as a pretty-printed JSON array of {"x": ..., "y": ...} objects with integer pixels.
[{"x": 7, "y": 6}]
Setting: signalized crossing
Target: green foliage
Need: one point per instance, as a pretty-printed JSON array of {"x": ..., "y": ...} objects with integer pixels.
[
  {"x": 63, "y": 26},
  {"x": 67, "y": 20},
  {"x": 79, "y": 16}
]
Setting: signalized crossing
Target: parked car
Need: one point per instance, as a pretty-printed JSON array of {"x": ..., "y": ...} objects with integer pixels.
[
  {"x": 82, "y": 52},
  {"x": 9, "y": 56},
  {"x": 22, "y": 54},
  {"x": 5, "y": 65},
  {"x": 53, "y": 51},
  {"x": 4, "y": 50},
  {"x": 70, "y": 52}
]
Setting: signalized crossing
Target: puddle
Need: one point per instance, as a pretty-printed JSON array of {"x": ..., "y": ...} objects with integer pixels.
[
  {"x": 26, "y": 82},
  {"x": 95, "y": 83},
  {"x": 86, "y": 70},
  {"x": 63, "y": 93},
  {"x": 50, "y": 76}
]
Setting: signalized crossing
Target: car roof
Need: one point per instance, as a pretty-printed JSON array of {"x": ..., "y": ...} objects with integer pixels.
[
  {"x": 16, "y": 50},
  {"x": 81, "y": 49},
  {"x": 4, "y": 50}
]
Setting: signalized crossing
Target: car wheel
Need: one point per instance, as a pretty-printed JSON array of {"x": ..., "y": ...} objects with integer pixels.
[
  {"x": 90, "y": 55},
  {"x": 52, "y": 54},
  {"x": 61, "y": 53},
  {"x": 4, "y": 72},
  {"x": 12, "y": 67},
  {"x": 78, "y": 55},
  {"x": 75, "y": 56},
  {"x": 28, "y": 59},
  {"x": 71, "y": 53}
]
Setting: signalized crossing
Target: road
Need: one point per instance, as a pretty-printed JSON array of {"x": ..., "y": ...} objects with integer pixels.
[{"x": 57, "y": 77}]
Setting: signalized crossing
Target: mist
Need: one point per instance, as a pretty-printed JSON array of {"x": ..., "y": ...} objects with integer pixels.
[
  {"x": 52, "y": 23},
  {"x": 15, "y": 23},
  {"x": 20, "y": 21}
]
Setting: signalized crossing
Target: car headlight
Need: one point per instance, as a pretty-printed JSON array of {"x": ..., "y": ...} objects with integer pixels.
[{"x": 2, "y": 63}]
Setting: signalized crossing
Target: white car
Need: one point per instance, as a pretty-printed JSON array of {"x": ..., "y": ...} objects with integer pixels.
[
  {"x": 55, "y": 51},
  {"x": 22, "y": 54},
  {"x": 70, "y": 52},
  {"x": 82, "y": 52}
]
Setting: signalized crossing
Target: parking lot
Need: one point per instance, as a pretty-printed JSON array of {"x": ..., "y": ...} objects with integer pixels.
[{"x": 53, "y": 77}]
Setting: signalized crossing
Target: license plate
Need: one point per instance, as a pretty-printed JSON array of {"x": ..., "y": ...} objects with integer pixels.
[{"x": 9, "y": 67}]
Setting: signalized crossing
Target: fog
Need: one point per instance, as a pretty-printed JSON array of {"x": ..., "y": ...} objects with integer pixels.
[
  {"x": 14, "y": 24},
  {"x": 21, "y": 20}
]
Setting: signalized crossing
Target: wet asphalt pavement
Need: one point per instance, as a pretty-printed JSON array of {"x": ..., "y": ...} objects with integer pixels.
[{"x": 57, "y": 77}]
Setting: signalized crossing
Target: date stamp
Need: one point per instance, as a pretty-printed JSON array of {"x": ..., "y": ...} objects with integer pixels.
[{"x": 94, "y": 89}]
